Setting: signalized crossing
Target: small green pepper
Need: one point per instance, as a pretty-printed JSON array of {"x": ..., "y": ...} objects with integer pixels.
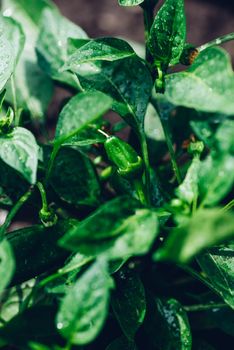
[
  {"x": 125, "y": 158},
  {"x": 48, "y": 217}
]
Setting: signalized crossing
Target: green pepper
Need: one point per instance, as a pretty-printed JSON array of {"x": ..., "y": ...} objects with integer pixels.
[
  {"x": 48, "y": 217},
  {"x": 125, "y": 158}
]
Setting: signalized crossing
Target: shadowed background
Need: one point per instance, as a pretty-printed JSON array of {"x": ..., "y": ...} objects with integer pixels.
[{"x": 206, "y": 19}]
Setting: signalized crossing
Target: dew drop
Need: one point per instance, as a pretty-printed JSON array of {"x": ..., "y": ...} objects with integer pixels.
[{"x": 59, "y": 325}]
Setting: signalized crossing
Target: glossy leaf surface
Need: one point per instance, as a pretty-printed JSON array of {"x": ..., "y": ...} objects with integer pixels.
[
  {"x": 33, "y": 88},
  {"x": 83, "y": 310},
  {"x": 52, "y": 44},
  {"x": 206, "y": 228},
  {"x": 127, "y": 82},
  {"x": 168, "y": 32},
  {"x": 129, "y": 299},
  {"x": 103, "y": 49},
  {"x": 20, "y": 150},
  {"x": 218, "y": 264},
  {"x": 209, "y": 83},
  {"x": 80, "y": 111},
  {"x": 74, "y": 179}
]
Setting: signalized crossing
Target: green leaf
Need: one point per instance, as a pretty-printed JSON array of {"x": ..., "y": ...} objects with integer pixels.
[
  {"x": 129, "y": 299},
  {"x": 105, "y": 222},
  {"x": 218, "y": 265},
  {"x": 128, "y": 82},
  {"x": 209, "y": 83},
  {"x": 33, "y": 88},
  {"x": 84, "y": 309},
  {"x": 130, "y": 2},
  {"x": 12, "y": 183},
  {"x": 81, "y": 110},
  {"x": 14, "y": 34},
  {"x": 20, "y": 150},
  {"x": 74, "y": 178},
  {"x": 168, "y": 32},
  {"x": 188, "y": 190},
  {"x": 172, "y": 330},
  {"x": 115, "y": 230},
  {"x": 206, "y": 228},
  {"x": 52, "y": 45},
  {"x": 103, "y": 49},
  {"x": 122, "y": 343},
  {"x": 224, "y": 137},
  {"x": 216, "y": 176},
  {"x": 68, "y": 274},
  {"x": 126, "y": 240},
  {"x": 7, "y": 264},
  {"x": 6, "y": 59},
  {"x": 88, "y": 136}
]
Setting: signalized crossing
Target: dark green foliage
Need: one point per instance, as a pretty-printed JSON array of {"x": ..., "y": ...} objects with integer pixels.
[{"x": 117, "y": 243}]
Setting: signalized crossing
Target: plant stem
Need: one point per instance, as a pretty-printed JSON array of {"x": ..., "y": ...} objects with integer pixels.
[
  {"x": 204, "y": 307},
  {"x": 168, "y": 141},
  {"x": 14, "y": 211},
  {"x": 61, "y": 272},
  {"x": 13, "y": 90},
  {"x": 228, "y": 206},
  {"x": 221, "y": 40},
  {"x": 43, "y": 196},
  {"x": 140, "y": 190},
  {"x": 145, "y": 155},
  {"x": 51, "y": 161},
  {"x": 148, "y": 13}
]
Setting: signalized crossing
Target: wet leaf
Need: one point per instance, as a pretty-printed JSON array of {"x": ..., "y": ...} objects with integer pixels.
[
  {"x": 168, "y": 32},
  {"x": 6, "y": 59},
  {"x": 188, "y": 190},
  {"x": 103, "y": 49},
  {"x": 130, "y": 2},
  {"x": 209, "y": 83},
  {"x": 33, "y": 88},
  {"x": 20, "y": 150},
  {"x": 129, "y": 299},
  {"x": 122, "y": 239},
  {"x": 84, "y": 309},
  {"x": 74, "y": 178},
  {"x": 14, "y": 34},
  {"x": 174, "y": 330},
  {"x": 218, "y": 265},
  {"x": 206, "y": 228},
  {"x": 52, "y": 45},
  {"x": 81, "y": 110},
  {"x": 127, "y": 82}
]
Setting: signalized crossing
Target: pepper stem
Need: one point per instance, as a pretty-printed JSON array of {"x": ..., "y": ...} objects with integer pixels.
[
  {"x": 14, "y": 211},
  {"x": 43, "y": 196}
]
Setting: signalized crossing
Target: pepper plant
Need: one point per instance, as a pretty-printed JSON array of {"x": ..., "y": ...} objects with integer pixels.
[{"x": 129, "y": 240}]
